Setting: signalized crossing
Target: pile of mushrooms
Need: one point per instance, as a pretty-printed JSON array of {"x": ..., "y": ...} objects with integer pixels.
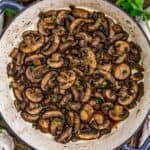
[{"x": 77, "y": 75}]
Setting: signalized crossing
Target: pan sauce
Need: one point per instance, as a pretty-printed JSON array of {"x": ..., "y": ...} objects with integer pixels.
[{"x": 77, "y": 75}]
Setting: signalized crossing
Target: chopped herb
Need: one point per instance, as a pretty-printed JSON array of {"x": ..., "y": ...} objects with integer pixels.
[
  {"x": 32, "y": 66},
  {"x": 124, "y": 72},
  {"x": 54, "y": 17},
  {"x": 99, "y": 100},
  {"x": 78, "y": 85},
  {"x": 55, "y": 98},
  {"x": 33, "y": 125},
  {"x": 56, "y": 122}
]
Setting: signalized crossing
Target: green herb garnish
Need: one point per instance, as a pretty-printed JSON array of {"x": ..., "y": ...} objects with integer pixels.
[
  {"x": 55, "y": 98},
  {"x": 99, "y": 100},
  {"x": 32, "y": 66},
  {"x": 135, "y": 8},
  {"x": 124, "y": 72},
  {"x": 54, "y": 17},
  {"x": 78, "y": 85},
  {"x": 33, "y": 125}
]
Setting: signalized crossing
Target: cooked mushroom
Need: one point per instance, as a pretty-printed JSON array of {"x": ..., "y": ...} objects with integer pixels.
[
  {"x": 84, "y": 36},
  {"x": 89, "y": 135},
  {"x": 79, "y": 12},
  {"x": 106, "y": 107},
  {"x": 34, "y": 95},
  {"x": 66, "y": 99},
  {"x": 43, "y": 125},
  {"x": 122, "y": 71},
  {"x": 87, "y": 94},
  {"x": 90, "y": 60},
  {"x": 99, "y": 122},
  {"x": 48, "y": 81},
  {"x": 126, "y": 97},
  {"x": 75, "y": 106},
  {"x": 66, "y": 79},
  {"x": 137, "y": 76},
  {"x": 65, "y": 136},
  {"x": 34, "y": 111},
  {"x": 53, "y": 48},
  {"x": 61, "y": 16},
  {"x": 28, "y": 117},
  {"x": 95, "y": 27},
  {"x": 35, "y": 59},
  {"x": 33, "y": 41},
  {"x": 52, "y": 113},
  {"x": 118, "y": 113},
  {"x": 56, "y": 127},
  {"x": 77, "y": 22},
  {"x": 109, "y": 94},
  {"x": 18, "y": 94},
  {"x": 35, "y": 74},
  {"x": 56, "y": 61}
]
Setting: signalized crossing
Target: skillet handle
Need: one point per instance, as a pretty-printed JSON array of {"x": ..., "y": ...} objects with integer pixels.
[
  {"x": 10, "y": 4},
  {"x": 146, "y": 146}
]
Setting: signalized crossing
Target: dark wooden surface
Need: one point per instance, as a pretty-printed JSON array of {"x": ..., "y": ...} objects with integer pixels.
[{"x": 20, "y": 145}]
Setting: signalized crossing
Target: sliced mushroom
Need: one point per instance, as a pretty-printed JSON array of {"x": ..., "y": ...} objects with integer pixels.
[
  {"x": 28, "y": 117},
  {"x": 56, "y": 126},
  {"x": 35, "y": 59},
  {"x": 79, "y": 12},
  {"x": 105, "y": 107},
  {"x": 18, "y": 94},
  {"x": 87, "y": 94},
  {"x": 65, "y": 136},
  {"x": 77, "y": 22},
  {"x": 66, "y": 99},
  {"x": 127, "y": 98},
  {"x": 66, "y": 79},
  {"x": 109, "y": 94},
  {"x": 34, "y": 95},
  {"x": 99, "y": 122},
  {"x": 84, "y": 36},
  {"x": 56, "y": 61},
  {"x": 52, "y": 113},
  {"x": 118, "y": 113},
  {"x": 137, "y": 76},
  {"x": 34, "y": 111},
  {"x": 61, "y": 16},
  {"x": 77, "y": 123},
  {"x": 95, "y": 26},
  {"x": 14, "y": 53},
  {"x": 90, "y": 60},
  {"x": 122, "y": 71},
  {"x": 43, "y": 125},
  {"x": 48, "y": 81},
  {"x": 35, "y": 74},
  {"x": 53, "y": 48},
  {"x": 89, "y": 135},
  {"x": 33, "y": 41},
  {"x": 75, "y": 106}
]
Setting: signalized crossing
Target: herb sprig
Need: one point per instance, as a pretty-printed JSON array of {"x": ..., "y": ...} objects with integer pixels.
[{"x": 135, "y": 8}]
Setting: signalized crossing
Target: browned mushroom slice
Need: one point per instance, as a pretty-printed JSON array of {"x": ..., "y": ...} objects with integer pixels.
[
  {"x": 35, "y": 74},
  {"x": 99, "y": 122},
  {"x": 61, "y": 16},
  {"x": 32, "y": 41},
  {"x": 105, "y": 107},
  {"x": 137, "y": 76},
  {"x": 20, "y": 58},
  {"x": 52, "y": 113},
  {"x": 106, "y": 67},
  {"x": 84, "y": 36},
  {"x": 65, "y": 136},
  {"x": 48, "y": 81},
  {"x": 35, "y": 59},
  {"x": 89, "y": 135},
  {"x": 122, "y": 71},
  {"x": 125, "y": 98},
  {"x": 75, "y": 106},
  {"x": 66, "y": 99},
  {"x": 70, "y": 118},
  {"x": 90, "y": 60},
  {"x": 11, "y": 69},
  {"x": 18, "y": 94},
  {"x": 60, "y": 31},
  {"x": 28, "y": 117},
  {"x": 77, "y": 22},
  {"x": 109, "y": 94},
  {"x": 77, "y": 123},
  {"x": 118, "y": 113},
  {"x": 53, "y": 48},
  {"x": 95, "y": 26},
  {"x": 34, "y": 95},
  {"x": 87, "y": 94},
  {"x": 34, "y": 111},
  {"x": 79, "y": 12},
  {"x": 56, "y": 126},
  {"x": 56, "y": 61},
  {"x": 43, "y": 125},
  {"x": 14, "y": 53},
  {"x": 66, "y": 79},
  {"x": 122, "y": 47}
]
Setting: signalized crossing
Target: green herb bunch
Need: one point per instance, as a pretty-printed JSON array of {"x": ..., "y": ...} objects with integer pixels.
[{"x": 135, "y": 8}]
